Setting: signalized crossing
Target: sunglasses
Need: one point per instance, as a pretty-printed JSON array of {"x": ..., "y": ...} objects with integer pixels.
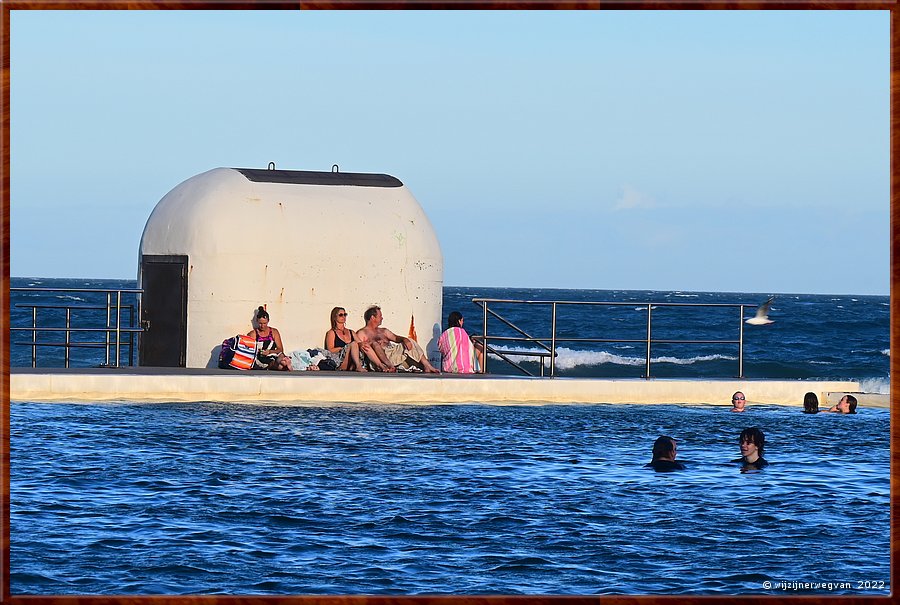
[{"x": 342, "y": 315}]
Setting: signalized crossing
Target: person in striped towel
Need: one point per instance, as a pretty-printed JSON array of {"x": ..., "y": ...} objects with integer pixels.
[{"x": 459, "y": 353}]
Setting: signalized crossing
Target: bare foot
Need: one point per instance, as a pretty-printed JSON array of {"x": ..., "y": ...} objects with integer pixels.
[{"x": 361, "y": 369}]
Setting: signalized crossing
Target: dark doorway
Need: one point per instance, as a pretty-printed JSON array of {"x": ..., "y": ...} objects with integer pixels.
[{"x": 163, "y": 311}]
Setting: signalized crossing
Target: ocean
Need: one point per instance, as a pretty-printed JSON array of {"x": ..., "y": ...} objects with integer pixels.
[
  {"x": 337, "y": 498},
  {"x": 835, "y": 337}
]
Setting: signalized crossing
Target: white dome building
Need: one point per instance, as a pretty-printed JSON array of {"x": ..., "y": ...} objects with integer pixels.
[{"x": 226, "y": 241}]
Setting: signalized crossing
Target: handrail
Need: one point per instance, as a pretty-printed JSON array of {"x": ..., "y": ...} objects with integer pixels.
[
  {"x": 485, "y": 338},
  {"x": 113, "y": 324}
]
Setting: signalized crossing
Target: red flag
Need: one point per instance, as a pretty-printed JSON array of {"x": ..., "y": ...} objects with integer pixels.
[{"x": 412, "y": 328}]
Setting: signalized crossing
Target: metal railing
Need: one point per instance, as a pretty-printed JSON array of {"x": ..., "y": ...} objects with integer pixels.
[
  {"x": 115, "y": 335},
  {"x": 549, "y": 344}
]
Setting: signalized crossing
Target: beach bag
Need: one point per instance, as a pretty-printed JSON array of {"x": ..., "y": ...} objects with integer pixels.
[{"x": 244, "y": 353}]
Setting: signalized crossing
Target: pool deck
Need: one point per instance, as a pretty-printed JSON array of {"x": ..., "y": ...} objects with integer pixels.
[{"x": 143, "y": 384}]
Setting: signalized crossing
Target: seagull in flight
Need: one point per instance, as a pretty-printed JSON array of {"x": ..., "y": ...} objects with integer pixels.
[{"x": 762, "y": 314}]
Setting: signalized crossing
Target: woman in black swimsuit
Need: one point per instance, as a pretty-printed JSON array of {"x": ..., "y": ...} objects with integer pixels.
[{"x": 341, "y": 342}]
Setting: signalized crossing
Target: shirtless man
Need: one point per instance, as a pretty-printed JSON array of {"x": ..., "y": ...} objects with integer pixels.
[{"x": 385, "y": 350}]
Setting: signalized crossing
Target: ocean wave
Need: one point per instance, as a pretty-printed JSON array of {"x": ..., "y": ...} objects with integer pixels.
[
  {"x": 886, "y": 352},
  {"x": 568, "y": 359},
  {"x": 875, "y": 385},
  {"x": 691, "y": 360}
]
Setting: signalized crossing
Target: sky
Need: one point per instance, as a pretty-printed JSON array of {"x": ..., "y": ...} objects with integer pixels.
[{"x": 730, "y": 151}]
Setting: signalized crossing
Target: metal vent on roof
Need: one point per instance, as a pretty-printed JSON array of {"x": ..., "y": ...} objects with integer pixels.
[{"x": 304, "y": 177}]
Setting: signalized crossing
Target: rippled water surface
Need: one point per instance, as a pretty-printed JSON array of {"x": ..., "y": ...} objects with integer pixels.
[{"x": 331, "y": 499}]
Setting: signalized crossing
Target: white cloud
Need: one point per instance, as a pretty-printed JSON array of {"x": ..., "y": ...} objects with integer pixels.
[{"x": 632, "y": 198}]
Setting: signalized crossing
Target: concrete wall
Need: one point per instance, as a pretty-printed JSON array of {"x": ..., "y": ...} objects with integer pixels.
[
  {"x": 135, "y": 385},
  {"x": 298, "y": 249}
]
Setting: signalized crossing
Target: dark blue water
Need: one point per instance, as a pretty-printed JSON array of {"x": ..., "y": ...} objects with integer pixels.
[
  {"x": 334, "y": 499},
  {"x": 338, "y": 499},
  {"x": 814, "y": 336}
]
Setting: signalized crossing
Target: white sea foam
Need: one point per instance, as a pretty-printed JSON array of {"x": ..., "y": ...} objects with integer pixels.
[
  {"x": 568, "y": 358},
  {"x": 875, "y": 385},
  {"x": 886, "y": 352},
  {"x": 691, "y": 360}
]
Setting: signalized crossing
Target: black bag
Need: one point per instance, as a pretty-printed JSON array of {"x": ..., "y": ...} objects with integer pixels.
[
  {"x": 226, "y": 354},
  {"x": 327, "y": 364}
]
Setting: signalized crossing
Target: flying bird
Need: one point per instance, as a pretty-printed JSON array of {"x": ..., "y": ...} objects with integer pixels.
[{"x": 762, "y": 314}]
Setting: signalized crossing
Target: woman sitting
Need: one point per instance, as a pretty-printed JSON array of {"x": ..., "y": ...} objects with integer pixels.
[
  {"x": 268, "y": 341},
  {"x": 460, "y": 355},
  {"x": 341, "y": 342}
]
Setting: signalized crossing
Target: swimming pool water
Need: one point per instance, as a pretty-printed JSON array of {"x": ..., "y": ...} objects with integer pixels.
[{"x": 348, "y": 499}]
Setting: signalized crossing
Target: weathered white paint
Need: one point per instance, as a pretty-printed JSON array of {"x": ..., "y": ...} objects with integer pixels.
[{"x": 299, "y": 250}]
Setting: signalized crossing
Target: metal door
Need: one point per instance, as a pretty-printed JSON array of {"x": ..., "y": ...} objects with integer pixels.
[{"x": 164, "y": 311}]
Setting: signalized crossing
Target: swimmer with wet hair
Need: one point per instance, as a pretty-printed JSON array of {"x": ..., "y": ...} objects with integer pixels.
[
  {"x": 664, "y": 451},
  {"x": 810, "y": 404},
  {"x": 847, "y": 405},
  {"x": 738, "y": 401},
  {"x": 753, "y": 444}
]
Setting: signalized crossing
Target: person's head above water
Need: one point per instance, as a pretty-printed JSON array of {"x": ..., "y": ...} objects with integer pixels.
[
  {"x": 753, "y": 443},
  {"x": 810, "y": 403},
  {"x": 664, "y": 448},
  {"x": 454, "y": 320},
  {"x": 738, "y": 401},
  {"x": 847, "y": 405}
]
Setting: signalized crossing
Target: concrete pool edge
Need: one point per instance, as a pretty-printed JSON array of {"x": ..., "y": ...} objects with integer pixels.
[{"x": 202, "y": 385}]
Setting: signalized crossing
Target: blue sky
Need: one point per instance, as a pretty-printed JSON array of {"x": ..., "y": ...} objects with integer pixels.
[{"x": 735, "y": 151}]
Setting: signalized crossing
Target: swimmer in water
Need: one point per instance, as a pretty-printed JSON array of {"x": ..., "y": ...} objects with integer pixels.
[
  {"x": 810, "y": 404},
  {"x": 737, "y": 402},
  {"x": 847, "y": 405},
  {"x": 664, "y": 451},
  {"x": 753, "y": 443}
]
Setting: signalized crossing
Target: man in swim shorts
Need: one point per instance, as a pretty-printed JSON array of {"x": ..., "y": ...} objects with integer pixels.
[
  {"x": 386, "y": 351},
  {"x": 847, "y": 405}
]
